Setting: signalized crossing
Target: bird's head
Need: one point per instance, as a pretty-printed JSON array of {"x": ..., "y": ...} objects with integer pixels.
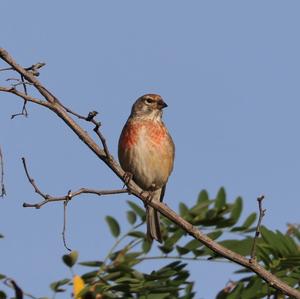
[{"x": 149, "y": 106}]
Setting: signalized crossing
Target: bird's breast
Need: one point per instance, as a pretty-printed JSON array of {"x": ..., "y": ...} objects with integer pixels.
[
  {"x": 138, "y": 132},
  {"x": 147, "y": 151}
]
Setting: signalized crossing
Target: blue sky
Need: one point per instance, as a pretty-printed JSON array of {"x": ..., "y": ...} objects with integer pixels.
[{"x": 229, "y": 71}]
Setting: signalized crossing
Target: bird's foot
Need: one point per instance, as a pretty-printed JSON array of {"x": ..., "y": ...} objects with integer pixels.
[
  {"x": 148, "y": 195},
  {"x": 127, "y": 177}
]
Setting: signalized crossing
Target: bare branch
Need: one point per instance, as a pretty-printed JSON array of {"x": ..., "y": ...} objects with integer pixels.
[
  {"x": 257, "y": 231},
  {"x": 48, "y": 198},
  {"x": 55, "y": 105},
  {"x": 24, "y": 96},
  {"x": 91, "y": 118},
  {"x": 34, "y": 68},
  {"x": 65, "y": 224}
]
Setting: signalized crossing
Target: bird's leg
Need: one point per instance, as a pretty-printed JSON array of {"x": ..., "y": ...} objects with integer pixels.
[
  {"x": 127, "y": 177},
  {"x": 148, "y": 195}
]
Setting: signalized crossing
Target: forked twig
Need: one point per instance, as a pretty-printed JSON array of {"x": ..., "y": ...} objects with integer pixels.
[
  {"x": 91, "y": 118},
  {"x": 257, "y": 231},
  {"x": 34, "y": 70},
  {"x": 48, "y": 198}
]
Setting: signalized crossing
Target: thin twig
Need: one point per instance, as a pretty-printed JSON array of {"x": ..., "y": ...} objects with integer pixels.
[
  {"x": 257, "y": 231},
  {"x": 7, "y": 69},
  {"x": 23, "y": 83},
  {"x": 2, "y": 191},
  {"x": 34, "y": 71},
  {"x": 35, "y": 67},
  {"x": 182, "y": 258},
  {"x": 103, "y": 140},
  {"x": 24, "y": 96},
  {"x": 12, "y": 284},
  {"x": 118, "y": 241},
  {"x": 32, "y": 182},
  {"x": 91, "y": 118},
  {"x": 65, "y": 224},
  {"x": 48, "y": 198}
]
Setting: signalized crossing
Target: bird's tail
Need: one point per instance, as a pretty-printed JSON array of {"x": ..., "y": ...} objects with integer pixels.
[{"x": 153, "y": 223}]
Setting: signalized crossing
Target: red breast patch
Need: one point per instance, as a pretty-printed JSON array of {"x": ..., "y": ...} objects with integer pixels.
[{"x": 155, "y": 132}]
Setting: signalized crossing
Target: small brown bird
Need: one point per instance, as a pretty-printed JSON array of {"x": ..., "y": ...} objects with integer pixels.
[{"x": 146, "y": 151}]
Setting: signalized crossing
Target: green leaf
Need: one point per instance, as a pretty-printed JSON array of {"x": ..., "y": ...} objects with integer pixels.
[
  {"x": 174, "y": 238},
  {"x": 192, "y": 245},
  {"x": 131, "y": 217},
  {"x": 220, "y": 200},
  {"x": 56, "y": 286},
  {"x": 137, "y": 234},
  {"x": 289, "y": 244},
  {"x": 200, "y": 209},
  {"x": 91, "y": 264},
  {"x": 146, "y": 246},
  {"x": 182, "y": 250},
  {"x": 2, "y": 276},
  {"x": 2, "y": 295},
  {"x": 165, "y": 249},
  {"x": 243, "y": 247},
  {"x": 70, "y": 259},
  {"x": 89, "y": 275},
  {"x": 138, "y": 210},
  {"x": 215, "y": 234},
  {"x": 264, "y": 253},
  {"x": 183, "y": 209},
  {"x": 253, "y": 289},
  {"x": 274, "y": 241},
  {"x": 203, "y": 197},
  {"x": 246, "y": 225},
  {"x": 236, "y": 210},
  {"x": 236, "y": 293},
  {"x": 249, "y": 220},
  {"x": 113, "y": 226}
]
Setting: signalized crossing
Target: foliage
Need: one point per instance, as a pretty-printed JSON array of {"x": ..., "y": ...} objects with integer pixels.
[{"x": 118, "y": 275}]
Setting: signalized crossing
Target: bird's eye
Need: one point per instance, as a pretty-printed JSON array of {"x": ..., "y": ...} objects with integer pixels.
[{"x": 149, "y": 101}]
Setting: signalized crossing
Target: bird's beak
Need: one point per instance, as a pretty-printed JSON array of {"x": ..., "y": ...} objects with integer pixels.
[{"x": 162, "y": 104}]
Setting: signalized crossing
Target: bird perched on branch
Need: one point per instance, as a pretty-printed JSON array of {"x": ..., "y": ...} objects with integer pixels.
[{"x": 146, "y": 152}]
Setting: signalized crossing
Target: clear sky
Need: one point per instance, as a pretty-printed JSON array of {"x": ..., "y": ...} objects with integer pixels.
[{"x": 230, "y": 73}]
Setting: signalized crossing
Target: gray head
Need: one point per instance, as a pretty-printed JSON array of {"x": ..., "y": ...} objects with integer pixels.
[{"x": 149, "y": 106}]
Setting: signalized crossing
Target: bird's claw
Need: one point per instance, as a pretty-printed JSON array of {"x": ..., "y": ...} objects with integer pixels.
[
  {"x": 127, "y": 177},
  {"x": 148, "y": 195}
]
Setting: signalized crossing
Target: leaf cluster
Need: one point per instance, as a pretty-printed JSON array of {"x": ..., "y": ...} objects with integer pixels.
[{"x": 119, "y": 274}]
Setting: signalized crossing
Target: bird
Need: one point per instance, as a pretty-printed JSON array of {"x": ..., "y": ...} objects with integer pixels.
[{"x": 146, "y": 152}]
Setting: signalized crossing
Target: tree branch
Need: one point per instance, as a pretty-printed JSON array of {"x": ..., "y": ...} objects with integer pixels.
[
  {"x": 22, "y": 95},
  {"x": 48, "y": 198},
  {"x": 54, "y": 104}
]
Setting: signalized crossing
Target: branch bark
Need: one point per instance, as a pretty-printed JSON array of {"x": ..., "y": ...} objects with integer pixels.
[{"x": 52, "y": 103}]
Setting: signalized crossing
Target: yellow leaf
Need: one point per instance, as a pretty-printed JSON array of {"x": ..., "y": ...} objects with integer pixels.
[{"x": 78, "y": 285}]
